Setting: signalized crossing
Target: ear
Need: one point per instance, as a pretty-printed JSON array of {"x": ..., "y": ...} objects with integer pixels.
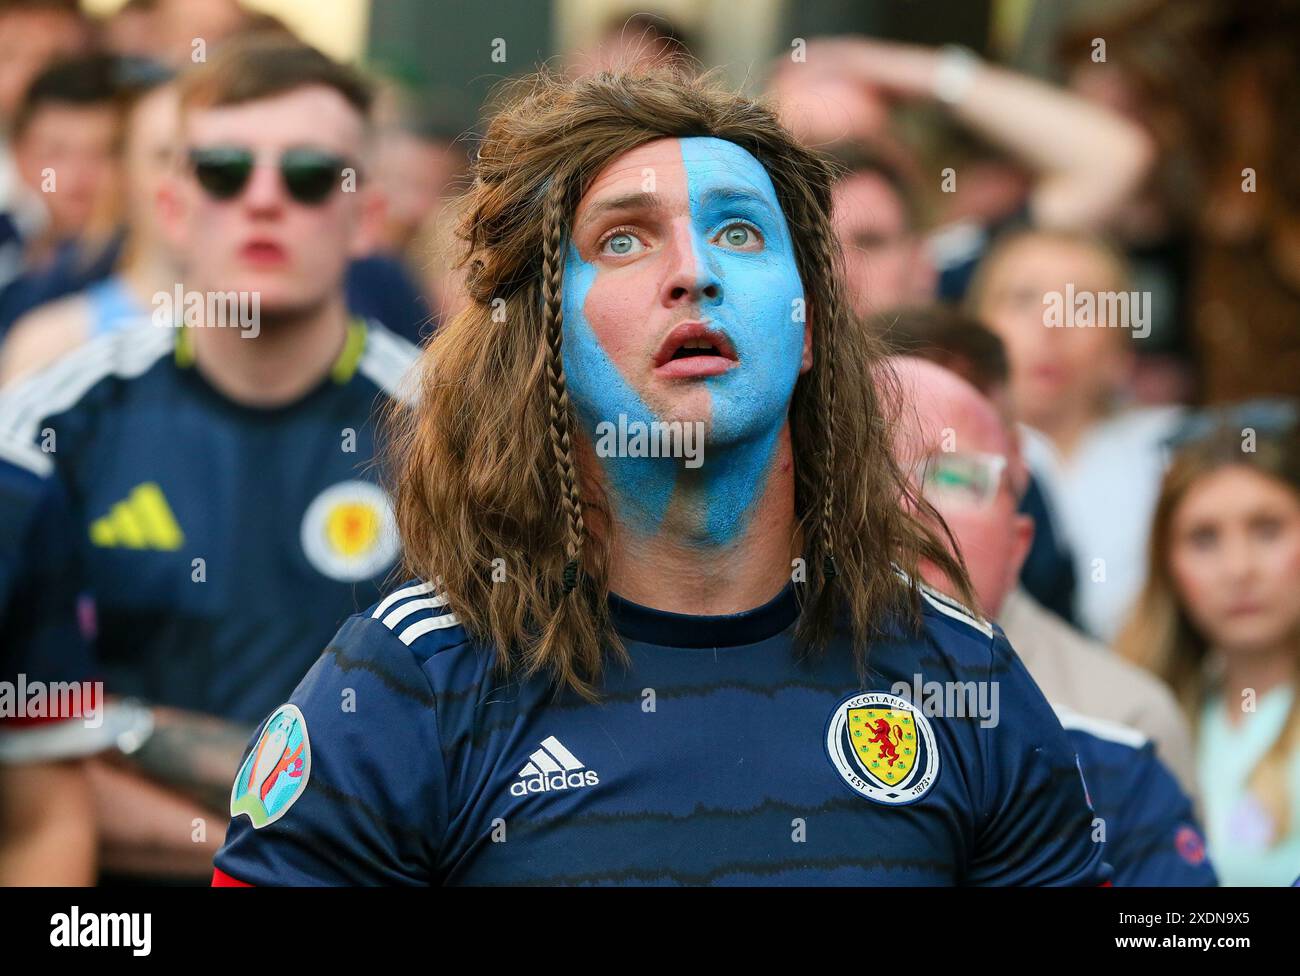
[
  {"x": 1022, "y": 537},
  {"x": 925, "y": 277},
  {"x": 171, "y": 207},
  {"x": 372, "y": 210},
  {"x": 1122, "y": 360}
]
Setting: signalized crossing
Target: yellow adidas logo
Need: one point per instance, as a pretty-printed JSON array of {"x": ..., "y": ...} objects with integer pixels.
[{"x": 143, "y": 520}]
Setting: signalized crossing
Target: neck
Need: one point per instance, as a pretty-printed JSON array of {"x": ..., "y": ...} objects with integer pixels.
[
  {"x": 1259, "y": 670},
  {"x": 284, "y": 358},
  {"x": 718, "y": 541},
  {"x": 146, "y": 272},
  {"x": 1066, "y": 429},
  {"x": 39, "y": 251}
]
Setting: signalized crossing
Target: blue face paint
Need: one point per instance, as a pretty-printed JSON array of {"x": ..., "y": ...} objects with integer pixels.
[
  {"x": 754, "y": 304},
  {"x": 641, "y": 487}
]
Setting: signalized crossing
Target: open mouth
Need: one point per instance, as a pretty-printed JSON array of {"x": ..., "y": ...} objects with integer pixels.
[{"x": 694, "y": 349}]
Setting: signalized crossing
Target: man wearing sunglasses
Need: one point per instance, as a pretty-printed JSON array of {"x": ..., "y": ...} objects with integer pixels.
[
  {"x": 219, "y": 477},
  {"x": 966, "y": 462}
]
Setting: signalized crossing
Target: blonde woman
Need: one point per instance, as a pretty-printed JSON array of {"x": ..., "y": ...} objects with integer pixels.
[{"x": 1219, "y": 619}]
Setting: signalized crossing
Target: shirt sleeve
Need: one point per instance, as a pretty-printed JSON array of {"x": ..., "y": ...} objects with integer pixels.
[
  {"x": 41, "y": 640},
  {"x": 345, "y": 784},
  {"x": 1151, "y": 836},
  {"x": 1035, "y": 821},
  {"x": 1171, "y": 738}
]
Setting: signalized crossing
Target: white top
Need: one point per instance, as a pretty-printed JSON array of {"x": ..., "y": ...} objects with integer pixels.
[{"x": 1104, "y": 497}]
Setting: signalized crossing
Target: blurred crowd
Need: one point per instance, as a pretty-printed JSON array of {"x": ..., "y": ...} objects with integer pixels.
[{"x": 1094, "y": 283}]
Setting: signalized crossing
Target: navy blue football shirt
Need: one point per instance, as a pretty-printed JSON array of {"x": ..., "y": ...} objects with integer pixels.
[
  {"x": 41, "y": 642},
  {"x": 221, "y": 544},
  {"x": 1142, "y": 815},
  {"x": 716, "y": 757}
]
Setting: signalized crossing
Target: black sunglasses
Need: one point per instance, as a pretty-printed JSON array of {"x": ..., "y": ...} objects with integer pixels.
[{"x": 309, "y": 175}]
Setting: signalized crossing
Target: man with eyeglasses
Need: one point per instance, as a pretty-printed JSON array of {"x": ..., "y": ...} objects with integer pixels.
[
  {"x": 217, "y": 465},
  {"x": 966, "y": 462}
]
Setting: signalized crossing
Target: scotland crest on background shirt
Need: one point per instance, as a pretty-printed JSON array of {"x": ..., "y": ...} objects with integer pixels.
[
  {"x": 883, "y": 748},
  {"x": 349, "y": 532},
  {"x": 275, "y": 771}
]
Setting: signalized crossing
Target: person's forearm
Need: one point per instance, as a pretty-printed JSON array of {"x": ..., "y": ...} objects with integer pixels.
[
  {"x": 1087, "y": 158},
  {"x": 147, "y": 830},
  {"x": 193, "y": 754},
  {"x": 47, "y": 825}
]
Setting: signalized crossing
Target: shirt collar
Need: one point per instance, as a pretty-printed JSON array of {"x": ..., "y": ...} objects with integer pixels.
[
  {"x": 649, "y": 626},
  {"x": 344, "y": 366}
]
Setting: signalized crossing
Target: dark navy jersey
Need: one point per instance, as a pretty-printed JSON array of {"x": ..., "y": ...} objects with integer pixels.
[
  {"x": 1142, "y": 815},
  {"x": 40, "y": 638},
  {"x": 716, "y": 757},
  {"x": 221, "y": 544}
]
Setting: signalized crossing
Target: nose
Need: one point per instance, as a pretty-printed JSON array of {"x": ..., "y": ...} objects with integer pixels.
[
  {"x": 264, "y": 192},
  {"x": 691, "y": 277},
  {"x": 1238, "y": 559}
]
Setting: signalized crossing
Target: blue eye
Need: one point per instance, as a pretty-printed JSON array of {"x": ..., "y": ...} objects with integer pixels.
[
  {"x": 740, "y": 236},
  {"x": 621, "y": 243}
]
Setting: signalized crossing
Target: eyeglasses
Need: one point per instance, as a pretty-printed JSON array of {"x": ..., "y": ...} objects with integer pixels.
[
  {"x": 961, "y": 480},
  {"x": 309, "y": 175},
  {"x": 1268, "y": 416}
]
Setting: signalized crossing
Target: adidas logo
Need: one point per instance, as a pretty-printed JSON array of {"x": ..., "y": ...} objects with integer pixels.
[
  {"x": 552, "y": 767},
  {"x": 143, "y": 520}
]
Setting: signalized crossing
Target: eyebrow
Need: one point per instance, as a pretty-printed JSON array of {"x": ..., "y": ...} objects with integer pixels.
[
  {"x": 626, "y": 202},
  {"x": 728, "y": 195}
]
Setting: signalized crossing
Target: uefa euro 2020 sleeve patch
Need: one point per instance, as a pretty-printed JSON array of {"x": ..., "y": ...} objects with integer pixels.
[
  {"x": 276, "y": 770},
  {"x": 883, "y": 748}
]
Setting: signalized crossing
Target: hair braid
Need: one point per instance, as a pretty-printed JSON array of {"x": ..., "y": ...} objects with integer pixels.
[
  {"x": 557, "y": 391},
  {"x": 828, "y": 494},
  {"x": 824, "y": 285}
]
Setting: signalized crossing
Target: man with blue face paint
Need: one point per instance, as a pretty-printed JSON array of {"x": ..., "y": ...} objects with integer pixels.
[
  {"x": 719, "y": 344},
  {"x": 617, "y": 666}
]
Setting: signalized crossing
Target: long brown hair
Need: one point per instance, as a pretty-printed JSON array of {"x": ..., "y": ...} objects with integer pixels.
[
  {"x": 1160, "y": 636},
  {"x": 486, "y": 462}
]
